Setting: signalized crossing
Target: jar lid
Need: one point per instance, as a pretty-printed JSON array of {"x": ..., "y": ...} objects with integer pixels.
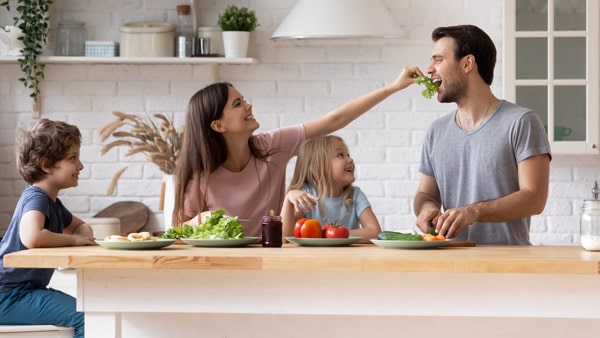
[
  {"x": 209, "y": 29},
  {"x": 183, "y": 9},
  {"x": 590, "y": 204},
  {"x": 147, "y": 27},
  {"x": 70, "y": 23}
]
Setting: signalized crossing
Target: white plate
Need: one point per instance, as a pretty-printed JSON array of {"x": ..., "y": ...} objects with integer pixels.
[
  {"x": 325, "y": 241},
  {"x": 143, "y": 245},
  {"x": 409, "y": 244},
  {"x": 220, "y": 242}
]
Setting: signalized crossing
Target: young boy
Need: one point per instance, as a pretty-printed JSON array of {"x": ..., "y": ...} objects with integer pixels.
[{"x": 48, "y": 160}]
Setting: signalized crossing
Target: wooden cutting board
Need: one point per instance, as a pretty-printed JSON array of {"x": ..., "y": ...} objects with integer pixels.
[{"x": 133, "y": 215}]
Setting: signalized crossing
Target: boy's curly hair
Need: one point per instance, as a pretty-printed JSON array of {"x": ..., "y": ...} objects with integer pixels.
[{"x": 42, "y": 144}]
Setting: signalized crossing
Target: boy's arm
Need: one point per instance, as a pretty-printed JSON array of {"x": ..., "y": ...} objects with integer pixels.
[
  {"x": 79, "y": 227},
  {"x": 33, "y": 234}
]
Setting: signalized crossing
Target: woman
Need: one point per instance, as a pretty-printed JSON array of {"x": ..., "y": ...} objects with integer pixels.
[{"x": 223, "y": 165}]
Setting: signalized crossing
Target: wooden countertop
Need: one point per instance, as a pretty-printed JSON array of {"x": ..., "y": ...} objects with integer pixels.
[{"x": 367, "y": 257}]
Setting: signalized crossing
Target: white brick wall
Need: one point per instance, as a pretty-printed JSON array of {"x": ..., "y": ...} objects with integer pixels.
[{"x": 292, "y": 82}]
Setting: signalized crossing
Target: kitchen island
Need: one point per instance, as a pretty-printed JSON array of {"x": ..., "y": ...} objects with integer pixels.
[{"x": 356, "y": 291}]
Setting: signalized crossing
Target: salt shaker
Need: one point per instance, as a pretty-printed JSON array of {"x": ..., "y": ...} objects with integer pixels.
[
  {"x": 590, "y": 221},
  {"x": 271, "y": 230}
]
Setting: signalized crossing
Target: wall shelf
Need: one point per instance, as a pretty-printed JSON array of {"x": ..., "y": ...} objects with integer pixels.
[{"x": 135, "y": 60}]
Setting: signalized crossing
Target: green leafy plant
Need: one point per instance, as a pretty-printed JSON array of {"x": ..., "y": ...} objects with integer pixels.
[
  {"x": 33, "y": 20},
  {"x": 431, "y": 85},
  {"x": 234, "y": 18}
]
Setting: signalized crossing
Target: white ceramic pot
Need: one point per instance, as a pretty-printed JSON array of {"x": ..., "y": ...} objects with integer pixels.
[
  {"x": 104, "y": 226},
  {"x": 169, "y": 199},
  {"x": 235, "y": 44}
]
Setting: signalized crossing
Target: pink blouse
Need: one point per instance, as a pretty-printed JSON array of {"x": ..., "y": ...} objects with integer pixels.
[{"x": 258, "y": 188}]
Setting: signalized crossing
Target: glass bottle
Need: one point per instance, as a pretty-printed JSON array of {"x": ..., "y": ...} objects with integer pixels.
[
  {"x": 590, "y": 222},
  {"x": 184, "y": 33},
  {"x": 70, "y": 38},
  {"x": 271, "y": 231}
]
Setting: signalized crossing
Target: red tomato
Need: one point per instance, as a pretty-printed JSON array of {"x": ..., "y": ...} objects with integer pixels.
[
  {"x": 298, "y": 227},
  {"x": 336, "y": 231},
  {"x": 311, "y": 228}
]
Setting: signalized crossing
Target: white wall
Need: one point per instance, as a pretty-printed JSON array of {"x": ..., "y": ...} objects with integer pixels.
[{"x": 292, "y": 82}]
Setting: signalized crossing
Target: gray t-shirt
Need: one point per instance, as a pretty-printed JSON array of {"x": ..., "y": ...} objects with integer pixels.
[{"x": 481, "y": 165}]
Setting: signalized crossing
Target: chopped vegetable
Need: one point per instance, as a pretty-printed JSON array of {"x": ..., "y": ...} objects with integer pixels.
[
  {"x": 398, "y": 236},
  {"x": 216, "y": 226},
  {"x": 431, "y": 85}
]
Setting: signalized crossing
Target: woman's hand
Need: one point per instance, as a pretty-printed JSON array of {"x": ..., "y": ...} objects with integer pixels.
[{"x": 301, "y": 198}]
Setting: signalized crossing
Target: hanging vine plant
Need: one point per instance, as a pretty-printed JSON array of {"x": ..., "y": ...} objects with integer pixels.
[{"x": 33, "y": 19}]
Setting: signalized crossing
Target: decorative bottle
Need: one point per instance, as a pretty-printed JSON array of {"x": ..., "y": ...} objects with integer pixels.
[{"x": 184, "y": 33}]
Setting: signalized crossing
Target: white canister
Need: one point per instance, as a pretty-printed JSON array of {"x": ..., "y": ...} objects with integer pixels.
[
  {"x": 215, "y": 36},
  {"x": 104, "y": 226},
  {"x": 147, "y": 39}
]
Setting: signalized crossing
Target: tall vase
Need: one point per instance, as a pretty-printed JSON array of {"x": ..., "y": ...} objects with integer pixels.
[
  {"x": 235, "y": 44},
  {"x": 168, "y": 199}
]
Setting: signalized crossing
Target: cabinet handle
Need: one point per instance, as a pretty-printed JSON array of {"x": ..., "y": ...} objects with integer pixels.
[{"x": 593, "y": 146}]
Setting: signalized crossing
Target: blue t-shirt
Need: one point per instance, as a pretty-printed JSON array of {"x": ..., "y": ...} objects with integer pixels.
[
  {"x": 334, "y": 211},
  {"x": 57, "y": 218}
]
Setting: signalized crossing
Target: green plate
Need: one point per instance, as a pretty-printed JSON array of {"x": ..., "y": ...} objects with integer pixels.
[
  {"x": 220, "y": 242},
  {"x": 409, "y": 244},
  {"x": 324, "y": 241},
  {"x": 144, "y": 245}
]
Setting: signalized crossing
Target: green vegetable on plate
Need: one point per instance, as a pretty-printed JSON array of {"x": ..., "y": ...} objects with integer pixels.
[
  {"x": 431, "y": 85},
  {"x": 398, "y": 236},
  {"x": 216, "y": 226}
]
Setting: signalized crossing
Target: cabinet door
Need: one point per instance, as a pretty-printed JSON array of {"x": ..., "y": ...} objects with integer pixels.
[{"x": 551, "y": 65}]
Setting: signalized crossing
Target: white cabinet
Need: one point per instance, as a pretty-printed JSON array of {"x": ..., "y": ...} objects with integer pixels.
[{"x": 551, "y": 65}]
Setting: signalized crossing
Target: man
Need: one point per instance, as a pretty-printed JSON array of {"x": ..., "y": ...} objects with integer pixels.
[{"x": 487, "y": 163}]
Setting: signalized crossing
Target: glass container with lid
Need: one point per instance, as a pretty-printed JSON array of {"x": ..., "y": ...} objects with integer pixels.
[
  {"x": 70, "y": 38},
  {"x": 590, "y": 221}
]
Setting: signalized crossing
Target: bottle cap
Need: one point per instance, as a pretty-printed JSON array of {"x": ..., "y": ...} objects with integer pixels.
[{"x": 183, "y": 10}]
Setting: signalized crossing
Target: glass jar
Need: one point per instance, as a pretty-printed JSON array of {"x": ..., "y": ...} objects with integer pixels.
[
  {"x": 271, "y": 231},
  {"x": 70, "y": 38},
  {"x": 590, "y": 225}
]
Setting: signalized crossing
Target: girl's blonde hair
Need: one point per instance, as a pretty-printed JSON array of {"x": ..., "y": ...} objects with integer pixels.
[{"x": 313, "y": 168}]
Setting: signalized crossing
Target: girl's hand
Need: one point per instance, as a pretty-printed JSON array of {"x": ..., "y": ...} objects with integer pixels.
[{"x": 301, "y": 198}]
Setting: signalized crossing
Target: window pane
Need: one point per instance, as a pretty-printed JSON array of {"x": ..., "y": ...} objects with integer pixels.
[
  {"x": 569, "y": 116},
  {"x": 570, "y": 15},
  {"x": 536, "y": 98},
  {"x": 532, "y": 58},
  {"x": 569, "y": 58},
  {"x": 532, "y": 15}
]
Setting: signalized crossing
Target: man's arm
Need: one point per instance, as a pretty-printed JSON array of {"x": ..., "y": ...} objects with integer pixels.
[
  {"x": 530, "y": 199},
  {"x": 427, "y": 202}
]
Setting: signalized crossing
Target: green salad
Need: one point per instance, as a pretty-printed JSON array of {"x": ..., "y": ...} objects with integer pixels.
[
  {"x": 216, "y": 226},
  {"x": 431, "y": 85}
]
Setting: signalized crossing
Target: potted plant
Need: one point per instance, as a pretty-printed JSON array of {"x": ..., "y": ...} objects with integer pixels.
[
  {"x": 159, "y": 140},
  {"x": 236, "y": 24},
  {"x": 33, "y": 20}
]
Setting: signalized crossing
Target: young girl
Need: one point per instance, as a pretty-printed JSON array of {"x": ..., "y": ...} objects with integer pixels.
[
  {"x": 321, "y": 189},
  {"x": 223, "y": 165},
  {"x": 48, "y": 159}
]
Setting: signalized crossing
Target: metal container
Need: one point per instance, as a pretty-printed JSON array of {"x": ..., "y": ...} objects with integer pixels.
[{"x": 147, "y": 39}]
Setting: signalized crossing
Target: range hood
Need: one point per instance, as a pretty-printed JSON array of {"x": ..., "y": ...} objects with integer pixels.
[{"x": 338, "y": 19}]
